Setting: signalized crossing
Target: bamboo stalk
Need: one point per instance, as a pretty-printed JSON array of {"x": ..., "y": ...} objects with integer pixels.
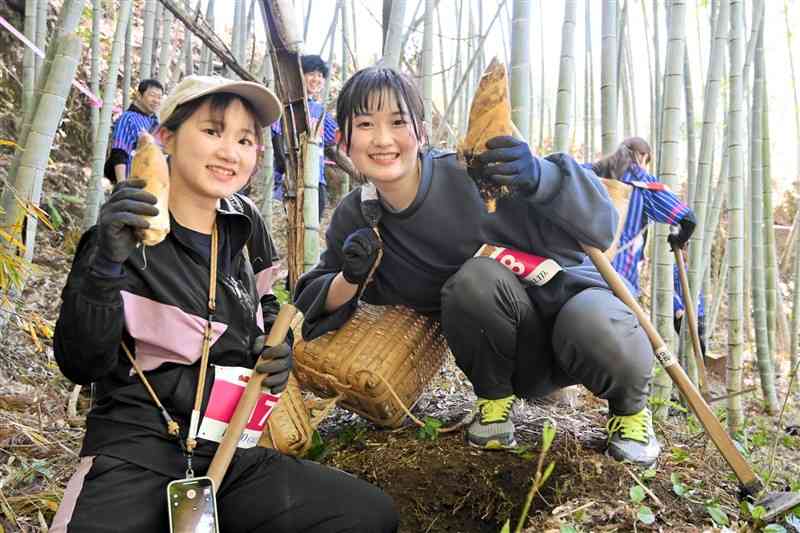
[
  {"x": 759, "y": 297},
  {"x": 519, "y": 76},
  {"x": 670, "y": 142},
  {"x": 736, "y": 220},
  {"x": 394, "y": 35},
  {"x": 608, "y": 77},
  {"x": 566, "y": 80},
  {"x": 46, "y": 119},
  {"x": 94, "y": 83},
  {"x": 41, "y": 34},
  {"x": 95, "y": 193},
  {"x": 165, "y": 51},
  {"x": 691, "y": 152},
  {"x": 146, "y": 52},
  {"x": 29, "y": 61},
  {"x": 69, "y": 16},
  {"x": 427, "y": 66},
  {"x": 127, "y": 62},
  {"x": 770, "y": 251},
  {"x": 697, "y": 246}
]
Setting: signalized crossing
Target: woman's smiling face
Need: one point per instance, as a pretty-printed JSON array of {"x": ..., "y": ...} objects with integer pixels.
[
  {"x": 383, "y": 145},
  {"x": 213, "y": 154}
]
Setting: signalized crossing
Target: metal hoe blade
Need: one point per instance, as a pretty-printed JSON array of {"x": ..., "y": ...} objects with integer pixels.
[{"x": 778, "y": 503}]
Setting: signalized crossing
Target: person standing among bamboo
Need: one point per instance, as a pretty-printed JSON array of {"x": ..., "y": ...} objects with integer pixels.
[
  {"x": 315, "y": 72},
  {"x": 650, "y": 200},
  {"x": 140, "y": 116},
  {"x": 196, "y": 304}
]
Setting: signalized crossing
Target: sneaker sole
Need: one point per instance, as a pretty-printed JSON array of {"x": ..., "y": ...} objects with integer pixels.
[
  {"x": 493, "y": 445},
  {"x": 630, "y": 462}
]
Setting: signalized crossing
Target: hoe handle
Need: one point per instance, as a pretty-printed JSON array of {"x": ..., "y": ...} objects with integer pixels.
[
  {"x": 247, "y": 402},
  {"x": 691, "y": 317},
  {"x": 712, "y": 426}
]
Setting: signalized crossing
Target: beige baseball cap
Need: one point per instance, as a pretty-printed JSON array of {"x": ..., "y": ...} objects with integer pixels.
[{"x": 266, "y": 104}]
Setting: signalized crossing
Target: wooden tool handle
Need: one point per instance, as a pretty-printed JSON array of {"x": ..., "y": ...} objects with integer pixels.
[
  {"x": 691, "y": 317},
  {"x": 700, "y": 408},
  {"x": 222, "y": 458}
]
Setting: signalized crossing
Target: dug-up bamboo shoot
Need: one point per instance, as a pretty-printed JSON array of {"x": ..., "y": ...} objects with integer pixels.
[
  {"x": 150, "y": 165},
  {"x": 489, "y": 116}
]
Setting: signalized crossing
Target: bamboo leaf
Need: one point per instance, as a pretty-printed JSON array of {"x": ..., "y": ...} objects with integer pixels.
[{"x": 11, "y": 239}]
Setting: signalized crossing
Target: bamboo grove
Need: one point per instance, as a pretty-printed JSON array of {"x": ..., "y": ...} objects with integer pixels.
[{"x": 616, "y": 68}]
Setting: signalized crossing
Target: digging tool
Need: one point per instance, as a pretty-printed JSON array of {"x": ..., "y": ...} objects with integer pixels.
[
  {"x": 691, "y": 317},
  {"x": 775, "y": 503},
  {"x": 247, "y": 402}
]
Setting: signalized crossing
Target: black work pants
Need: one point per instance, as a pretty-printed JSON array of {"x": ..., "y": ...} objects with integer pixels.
[
  {"x": 263, "y": 491},
  {"x": 509, "y": 338}
]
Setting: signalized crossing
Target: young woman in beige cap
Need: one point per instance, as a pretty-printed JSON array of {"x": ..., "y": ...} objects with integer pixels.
[{"x": 154, "y": 303}]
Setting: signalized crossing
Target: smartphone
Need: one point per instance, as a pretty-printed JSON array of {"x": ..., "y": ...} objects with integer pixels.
[{"x": 192, "y": 506}]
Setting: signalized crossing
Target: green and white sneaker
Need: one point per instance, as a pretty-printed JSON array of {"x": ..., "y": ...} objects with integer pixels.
[
  {"x": 631, "y": 438},
  {"x": 491, "y": 427}
]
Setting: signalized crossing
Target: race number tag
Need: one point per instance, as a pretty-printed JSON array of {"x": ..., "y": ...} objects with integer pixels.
[
  {"x": 229, "y": 384},
  {"x": 532, "y": 268}
]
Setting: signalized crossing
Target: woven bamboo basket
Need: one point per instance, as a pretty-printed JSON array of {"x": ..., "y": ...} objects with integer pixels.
[
  {"x": 620, "y": 194},
  {"x": 289, "y": 428},
  {"x": 379, "y": 348}
]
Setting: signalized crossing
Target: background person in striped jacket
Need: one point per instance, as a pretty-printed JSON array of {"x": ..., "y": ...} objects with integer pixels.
[
  {"x": 650, "y": 200},
  {"x": 140, "y": 116}
]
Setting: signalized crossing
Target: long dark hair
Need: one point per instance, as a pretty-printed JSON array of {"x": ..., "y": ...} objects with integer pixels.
[
  {"x": 615, "y": 166},
  {"x": 367, "y": 87}
]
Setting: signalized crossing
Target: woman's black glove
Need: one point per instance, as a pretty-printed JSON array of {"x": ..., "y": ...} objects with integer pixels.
[
  {"x": 120, "y": 216},
  {"x": 278, "y": 366},
  {"x": 678, "y": 240},
  {"x": 509, "y": 161},
  {"x": 360, "y": 252}
]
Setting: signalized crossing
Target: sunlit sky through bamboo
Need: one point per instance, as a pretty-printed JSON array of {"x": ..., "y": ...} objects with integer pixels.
[{"x": 551, "y": 12}]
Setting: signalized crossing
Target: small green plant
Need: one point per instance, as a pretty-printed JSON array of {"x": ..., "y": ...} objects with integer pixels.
[
  {"x": 540, "y": 477},
  {"x": 430, "y": 429},
  {"x": 679, "y": 487},
  {"x": 718, "y": 516},
  {"x": 350, "y": 435},
  {"x": 679, "y": 455},
  {"x": 319, "y": 449},
  {"x": 774, "y": 528},
  {"x": 644, "y": 514}
]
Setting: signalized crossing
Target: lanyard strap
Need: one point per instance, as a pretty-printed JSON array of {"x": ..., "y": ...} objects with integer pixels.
[
  {"x": 191, "y": 437},
  {"x": 172, "y": 427}
]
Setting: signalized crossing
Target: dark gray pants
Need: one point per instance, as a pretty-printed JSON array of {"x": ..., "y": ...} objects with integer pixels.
[{"x": 510, "y": 338}]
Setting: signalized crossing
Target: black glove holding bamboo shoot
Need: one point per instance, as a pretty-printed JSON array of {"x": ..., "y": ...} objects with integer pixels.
[{"x": 120, "y": 217}]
